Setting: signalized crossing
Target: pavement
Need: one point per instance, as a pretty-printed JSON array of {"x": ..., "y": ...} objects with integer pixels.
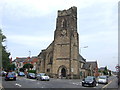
[
  {"x": 1, "y": 86},
  {"x": 1, "y": 83}
]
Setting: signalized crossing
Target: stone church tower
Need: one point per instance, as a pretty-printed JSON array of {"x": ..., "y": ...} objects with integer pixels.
[{"x": 62, "y": 58}]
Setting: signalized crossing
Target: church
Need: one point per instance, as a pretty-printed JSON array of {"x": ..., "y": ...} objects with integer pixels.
[{"x": 61, "y": 59}]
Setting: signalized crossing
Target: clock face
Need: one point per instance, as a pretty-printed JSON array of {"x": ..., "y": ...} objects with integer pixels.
[{"x": 63, "y": 32}]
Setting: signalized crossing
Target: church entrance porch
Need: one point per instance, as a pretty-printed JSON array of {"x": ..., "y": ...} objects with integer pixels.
[{"x": 62, "y": 71}]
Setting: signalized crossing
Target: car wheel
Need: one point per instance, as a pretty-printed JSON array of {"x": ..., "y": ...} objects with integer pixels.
[
  {"x": 82, "y": 84},
  {"x": 94, "y": 84}
]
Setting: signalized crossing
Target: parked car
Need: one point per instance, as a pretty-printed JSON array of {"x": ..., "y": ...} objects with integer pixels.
[
  {"x": 3, "y": 73},
  {"x": 31, "y": 75},
  {"x": 103, "y": 79},
  {"x": 10, "y": 76},
  {"x": 89, "y": 81},
  {"x": 21, "y": 74},
  {"x": 42, "y": 76}
]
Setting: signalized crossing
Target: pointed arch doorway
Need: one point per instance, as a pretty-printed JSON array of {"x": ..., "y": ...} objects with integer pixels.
[{"x": 62, "y": 72}]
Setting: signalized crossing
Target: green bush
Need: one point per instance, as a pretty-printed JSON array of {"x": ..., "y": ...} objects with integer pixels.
[{"x": 31, "y": 71}]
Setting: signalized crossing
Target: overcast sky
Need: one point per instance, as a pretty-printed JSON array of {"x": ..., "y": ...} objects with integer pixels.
[{"x": 29, "y": 25}]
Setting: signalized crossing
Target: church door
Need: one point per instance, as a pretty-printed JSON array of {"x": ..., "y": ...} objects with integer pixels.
[{"x": 63, "y": 72}]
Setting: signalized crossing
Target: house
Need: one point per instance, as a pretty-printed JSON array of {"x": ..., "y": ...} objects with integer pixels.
[
  {"x": 21, "y": 61},
  {"x": 91, "y": 68}
]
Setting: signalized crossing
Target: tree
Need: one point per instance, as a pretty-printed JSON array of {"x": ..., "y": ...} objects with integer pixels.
[
  {"x": 5, "y": 54},
  {"x": 11, "y": 67},
  {"x": 105, "y": 72},
  {"x": 110, "y": 73},
  {"x": 22, "y": 69},
  {"x": 28, "y": 66}
]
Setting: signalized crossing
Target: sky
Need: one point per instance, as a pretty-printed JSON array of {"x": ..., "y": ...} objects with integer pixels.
[{"x": 29, "y": 25}]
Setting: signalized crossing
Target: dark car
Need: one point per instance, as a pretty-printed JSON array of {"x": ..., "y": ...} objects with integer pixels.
[
  {"x": 42, "y": 77},
  {"x": 31, "y": 75},
  {"x": 21, "y": 74},
  {"x": 89, "y": 81},
  {"x": 10, "y": 76}
]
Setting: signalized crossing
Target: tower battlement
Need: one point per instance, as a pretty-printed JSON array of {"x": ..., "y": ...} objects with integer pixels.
[{"x": 70, "y": 11}]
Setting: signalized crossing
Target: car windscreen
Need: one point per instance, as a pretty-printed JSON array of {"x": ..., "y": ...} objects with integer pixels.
[
  {"x": 31, "y": 74},
  {"x": 22, "y": 73},
  {"x": 43, "y": 74},
  {"x": 11, "y": 74},
  {"x": 88, "y": 79},
  {"x": 102, "y": 77}
]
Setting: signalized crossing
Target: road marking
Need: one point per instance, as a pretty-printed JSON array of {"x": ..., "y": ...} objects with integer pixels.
[
  {"x": 77, "y": 83},
  {"x": 18, "y": 85},
  {"x": 30, "y": 79},
  {"x": 108, "y": 83}
]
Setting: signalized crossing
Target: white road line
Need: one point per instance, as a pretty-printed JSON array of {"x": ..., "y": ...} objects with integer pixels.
[
  {"x": 106, "y": 85},
  {"x": 77, "y": 83},
  {"x": 18, "y": 85},
  {"x": 30, "y": 79}
]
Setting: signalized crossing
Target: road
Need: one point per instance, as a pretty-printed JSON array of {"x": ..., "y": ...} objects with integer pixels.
[{"x": 23, "y": 82}]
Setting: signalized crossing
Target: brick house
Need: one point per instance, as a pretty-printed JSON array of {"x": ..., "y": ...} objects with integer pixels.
[{"x": 21, "y": 61}]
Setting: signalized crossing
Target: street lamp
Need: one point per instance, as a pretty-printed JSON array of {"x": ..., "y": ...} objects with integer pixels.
[
  {"x": 29, "y": 53},
  {"x": 83, "y": 47}
]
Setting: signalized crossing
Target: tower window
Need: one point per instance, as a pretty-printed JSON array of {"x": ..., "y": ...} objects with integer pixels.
[{"x": 48, "y": 70}]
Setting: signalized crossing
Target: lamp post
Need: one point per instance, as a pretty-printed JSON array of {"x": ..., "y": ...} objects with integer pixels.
[
  {"x": 83, "y": 47},
  {"x": 29, "y": 53}
]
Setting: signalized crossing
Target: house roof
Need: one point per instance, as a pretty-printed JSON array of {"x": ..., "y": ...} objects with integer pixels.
[
  {"x": 25, "y": 59},
  {"x": 86, "y": 66},
  {"x": 92, "y": 64},
  {"x": 20, "y": 59},
  {"x": 101, "y": 68}
]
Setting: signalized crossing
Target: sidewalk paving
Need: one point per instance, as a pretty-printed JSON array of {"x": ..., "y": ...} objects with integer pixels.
[
  {"x": 1, "y": 83},
  {"x": 1, "y": 86}
]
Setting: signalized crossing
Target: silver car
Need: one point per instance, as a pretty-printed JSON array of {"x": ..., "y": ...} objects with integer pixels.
[
  {"x": 103, "y": 79},
  {"x": 42, "y": 77}
]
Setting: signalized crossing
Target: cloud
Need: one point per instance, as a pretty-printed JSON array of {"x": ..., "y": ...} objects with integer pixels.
[
  {"x": 28, "y": 41},
  {"x": 37, "y": 8},
  {"x": 98, "y": 19}
]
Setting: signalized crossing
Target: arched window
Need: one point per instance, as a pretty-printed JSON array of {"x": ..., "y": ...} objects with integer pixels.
[
  {"x": 64, "y": 23},
  {"x": 51, "y": 60}
]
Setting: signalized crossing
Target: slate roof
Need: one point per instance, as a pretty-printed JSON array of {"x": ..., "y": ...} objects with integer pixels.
[
  {"x": 92, "y": 64},
  {"x": 86, "y": 66},
  {"x": 101, "y": 68},
  {"x": 20, "y": 59},
  {"x": 81, "y": 59},
  {"x": 25, "y": 59}
]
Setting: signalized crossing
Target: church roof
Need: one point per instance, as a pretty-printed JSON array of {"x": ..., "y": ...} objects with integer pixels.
[{"x": 81, "y": 59}]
